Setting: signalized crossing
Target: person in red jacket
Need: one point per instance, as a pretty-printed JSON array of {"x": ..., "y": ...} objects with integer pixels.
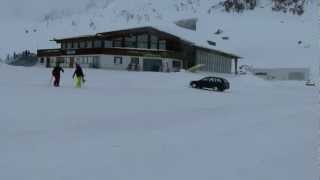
[{"x": 56, "y": 74}]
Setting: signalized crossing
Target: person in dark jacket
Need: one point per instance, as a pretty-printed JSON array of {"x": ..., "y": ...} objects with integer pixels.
[
  {"x": 78, "y": 76},
  {"x": 56, "y": 74}
]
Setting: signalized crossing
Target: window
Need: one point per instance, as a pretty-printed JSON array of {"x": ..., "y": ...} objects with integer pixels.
[
  {"x": 143, "y": 41},
  {"x": 117, "y": 60},
  {"x": 108, "y": 44},
  {"x": 89, "y": 44},
  {"x": 261, "y": 74},
  {"x": 217, "y": 80},
  {"x": 95, "y": 62},
  {"x": 205, "y": 79},
  {"x": 82, "y": 44},
  {"x": 163, "y": 44},
  {"x": 60, "y": 60},
  {"x": 97, "y": 44},
  {"x": 118, "y": 42},
  {"x": 154, "y": 42},
  {"x": 212, "y": 43},
  {"x": 63, "y": 45},
  {"x": 69, "y": 45},
  {"x": 135, "y": 60},
  {"x": 176, "y": 64},
  {"x": 75, "y": 45},
  {"x": 89, "y": 60},
  {"x": 131, "y": 42}
]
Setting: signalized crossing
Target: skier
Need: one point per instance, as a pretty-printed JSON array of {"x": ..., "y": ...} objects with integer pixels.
[
  {"x": 56, "y": 74},
  {"x": 78, "y": 76}
]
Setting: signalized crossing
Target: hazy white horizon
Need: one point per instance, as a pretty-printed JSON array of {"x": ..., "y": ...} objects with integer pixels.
[{"x": 33, "y": 9}]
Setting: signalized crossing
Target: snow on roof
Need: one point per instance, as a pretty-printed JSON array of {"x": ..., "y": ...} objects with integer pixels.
[
  {"x": 198, "y": 39},
  {"x": 74, "y": 37},
  {"x": 192, "y": 37}
]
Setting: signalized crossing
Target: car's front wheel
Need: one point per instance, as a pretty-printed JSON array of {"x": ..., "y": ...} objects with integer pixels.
[{"x": 194, "y": 85}]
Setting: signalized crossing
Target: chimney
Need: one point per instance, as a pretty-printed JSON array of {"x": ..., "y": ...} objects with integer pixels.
[{"x": 190, "y": 24}]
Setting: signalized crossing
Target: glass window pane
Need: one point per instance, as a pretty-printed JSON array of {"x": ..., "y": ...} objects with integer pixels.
[
  {"x": 97, "y": 44},
  {"x": 117, "y": 60},
  {"x": 108, "y": 44},
  {"x": 89, "y": 44},
  {"x": 163, "y": 44},
  {"x": 118, "y": 42},
  {"x": 130, "y": 42},
  {"x": 82, "y": 44},
  {"x": 143, "y": 41},
  {"x": 69, "y": 45},
  {"x": 154, "y": 42},
  {"x": 75, "y": 45}
]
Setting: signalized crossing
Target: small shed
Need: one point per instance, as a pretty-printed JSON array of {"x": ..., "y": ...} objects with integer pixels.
[{"x": 299, "y": 74}]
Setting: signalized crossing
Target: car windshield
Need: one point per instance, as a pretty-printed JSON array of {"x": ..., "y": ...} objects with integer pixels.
[{"x": 224, "y": 80}]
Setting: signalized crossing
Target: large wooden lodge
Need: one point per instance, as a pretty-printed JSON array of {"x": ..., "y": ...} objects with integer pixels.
[{"x": 138, "y": 49}]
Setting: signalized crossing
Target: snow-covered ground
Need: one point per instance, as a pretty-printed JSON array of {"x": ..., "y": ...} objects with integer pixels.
[{"x": 141, "y": 126}]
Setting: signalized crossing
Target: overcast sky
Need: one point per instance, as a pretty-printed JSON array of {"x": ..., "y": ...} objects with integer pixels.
[{"x": 33, "y": 8}]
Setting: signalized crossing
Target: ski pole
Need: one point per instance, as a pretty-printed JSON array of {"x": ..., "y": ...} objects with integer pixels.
[{"x": 50, "y": 83}]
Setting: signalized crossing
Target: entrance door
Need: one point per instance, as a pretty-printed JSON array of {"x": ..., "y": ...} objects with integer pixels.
[
  {"x": 71, "y": 62},
  {"x": 48, "y": 62},
  {"x": 134, "y": 64},
  {"x": 153, "y": 65}
]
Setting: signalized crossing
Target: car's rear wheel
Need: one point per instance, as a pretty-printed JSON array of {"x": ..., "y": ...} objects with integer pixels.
[{"x": 220, "y": 89}]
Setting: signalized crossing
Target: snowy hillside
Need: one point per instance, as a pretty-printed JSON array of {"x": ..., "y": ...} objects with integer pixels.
[
  {"x": 263, "y": 37},
  {"x": 154, "y": 126}
]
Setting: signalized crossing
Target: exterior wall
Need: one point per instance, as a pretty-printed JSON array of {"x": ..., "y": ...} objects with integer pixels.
[
  {"x": 108, "y": 62},
  {"x": 41, "y": 62},
  {"x": 214, "y": 62},
  {"x": 188, "y": 54},
  {"x": 69, "y": 61},
  {"x": 283, "y": 73},
  {"x": 46, "y": 61}
]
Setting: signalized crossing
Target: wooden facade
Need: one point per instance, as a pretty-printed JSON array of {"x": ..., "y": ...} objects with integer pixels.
[{"x": 144, "y": 42}]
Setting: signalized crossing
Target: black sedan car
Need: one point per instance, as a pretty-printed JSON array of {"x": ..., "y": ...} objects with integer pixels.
[{"x": 215, "y": 83}]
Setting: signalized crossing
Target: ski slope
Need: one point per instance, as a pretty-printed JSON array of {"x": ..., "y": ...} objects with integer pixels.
[
  {"x": 140, "y": 125},
  {"x": 265, "y": 39}
]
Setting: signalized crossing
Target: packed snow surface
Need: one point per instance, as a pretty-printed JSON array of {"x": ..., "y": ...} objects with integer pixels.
[{"x": 141, "y": 126}]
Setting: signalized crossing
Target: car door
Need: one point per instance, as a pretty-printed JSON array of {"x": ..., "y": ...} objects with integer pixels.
[
  {"x": 211, "y": 83},
  {"x": 218, "y": 83},
  {"x": 204, "y": 82}
]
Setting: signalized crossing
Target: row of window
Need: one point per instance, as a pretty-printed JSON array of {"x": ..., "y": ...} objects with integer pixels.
[
  {"x": 140, "y": 41},
  {"x": 117, "y": 60}
]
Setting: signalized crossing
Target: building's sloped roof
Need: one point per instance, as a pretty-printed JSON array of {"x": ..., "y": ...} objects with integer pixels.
[
  {"x": 198, "y": 40},
  {"x": 188, "y": 36}
]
